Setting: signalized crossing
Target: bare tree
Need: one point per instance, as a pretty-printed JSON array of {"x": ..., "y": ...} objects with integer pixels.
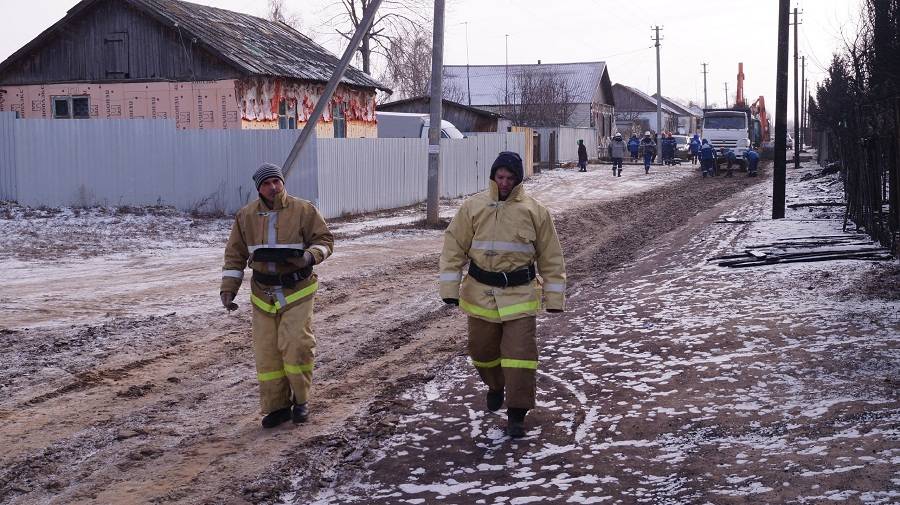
[
  {"x": 409, "y": 63},
  {"x": 539, "y": 97},
  {"x": 409, "y": 66},
  {"x": 393, "y": 19},
  {"x": 278, "y": 13}
]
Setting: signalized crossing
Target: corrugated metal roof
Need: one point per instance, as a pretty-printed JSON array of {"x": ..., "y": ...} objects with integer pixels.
[
  {"x": 681, "y": 109},
  {"x": 488, "y": 82},
  {"x": 649, "y": 99},
  {"x": 427, "y": 99},
  {"x": 255, "y": 45}
]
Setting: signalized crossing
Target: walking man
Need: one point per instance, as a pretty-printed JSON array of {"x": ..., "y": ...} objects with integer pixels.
[
  {"x": 634, "y": 146},
  {"x": 649, "y": 148},
  {"x": 582, "y": 156},
  {"x": 281, "y": 237},
  {"x": 510, "y": 244},
  {"x": 694, "y": 148},
  {"x": 617, "y": 149}
]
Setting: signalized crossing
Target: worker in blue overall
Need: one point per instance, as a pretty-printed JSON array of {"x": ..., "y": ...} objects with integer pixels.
[
  {"x": 731, "y": 158},
  {"x": 667, "y": 146},
  {"x": 694, "y": 147},
  {"x": 752, "y": 158},
  {"x": 634, "y": 146},
  {"x": 707, "y": 158}
]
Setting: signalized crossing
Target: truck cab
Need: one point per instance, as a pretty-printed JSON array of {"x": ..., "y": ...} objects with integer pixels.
[{"x": 727, "y": 129}]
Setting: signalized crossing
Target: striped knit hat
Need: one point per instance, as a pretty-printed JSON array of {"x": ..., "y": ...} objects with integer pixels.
[{"x": 265, "y": 171}]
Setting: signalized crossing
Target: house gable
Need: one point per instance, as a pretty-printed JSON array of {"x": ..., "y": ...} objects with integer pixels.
[{"x": 111, "y": 41}]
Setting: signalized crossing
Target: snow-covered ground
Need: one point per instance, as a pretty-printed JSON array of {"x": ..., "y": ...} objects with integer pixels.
[{"x": 680, "y": 381}]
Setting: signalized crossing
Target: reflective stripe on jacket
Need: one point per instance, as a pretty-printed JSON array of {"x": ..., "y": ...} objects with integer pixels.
[
  {"x": 292, "y": 223},
  {"x": 503, "y": 236}
]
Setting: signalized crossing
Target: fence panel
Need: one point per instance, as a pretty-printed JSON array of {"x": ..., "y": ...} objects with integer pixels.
[
  {"x": 141, "y": 162},
  {"x": 8, "y": 188},
  {"x": 364, "y": 175}
]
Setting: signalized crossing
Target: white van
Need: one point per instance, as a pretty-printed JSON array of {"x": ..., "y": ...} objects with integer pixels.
[{"x": 411, "y": 125}]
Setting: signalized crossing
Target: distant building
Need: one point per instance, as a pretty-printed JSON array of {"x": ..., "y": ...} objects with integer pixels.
[
  {"x": 687, "y": 121},
  {"x": 494, "y": 87},
  {"x": 636, "y": 112},
  {"x": 201, "y": 66},
  {"x": 464, "y": 117}
]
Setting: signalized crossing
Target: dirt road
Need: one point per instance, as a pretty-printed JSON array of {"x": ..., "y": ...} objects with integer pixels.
[{"x": 123, "y": 382}]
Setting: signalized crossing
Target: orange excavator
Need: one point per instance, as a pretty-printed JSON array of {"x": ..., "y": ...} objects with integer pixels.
[{"x": 760, "y": 134}]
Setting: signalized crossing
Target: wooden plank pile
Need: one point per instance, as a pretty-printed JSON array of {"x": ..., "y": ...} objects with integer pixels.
[{"x": 807, "y": 249}]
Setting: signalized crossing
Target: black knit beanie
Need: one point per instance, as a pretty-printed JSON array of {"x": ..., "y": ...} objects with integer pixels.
[{"x": 510, "y": 161}]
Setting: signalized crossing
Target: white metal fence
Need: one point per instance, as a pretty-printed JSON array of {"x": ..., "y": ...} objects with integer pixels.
[
  {"x": 567, "y": 142},
  {"x": 145, "y": 162}
]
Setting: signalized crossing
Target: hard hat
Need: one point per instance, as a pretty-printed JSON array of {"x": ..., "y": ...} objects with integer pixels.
[
  {"x": 617, "y": 135},
  {"x": 646, "y": 134}
]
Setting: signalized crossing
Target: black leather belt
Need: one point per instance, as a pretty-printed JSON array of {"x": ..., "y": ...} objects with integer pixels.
[
  {"x": 502, "y": 279},
  {"x": 288, "y": 280}
]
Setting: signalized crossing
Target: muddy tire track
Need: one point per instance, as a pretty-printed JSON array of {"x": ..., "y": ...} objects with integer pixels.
[{"x": 170, "y": 414}]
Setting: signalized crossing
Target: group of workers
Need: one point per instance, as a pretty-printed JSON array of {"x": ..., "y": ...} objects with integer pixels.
[
  {"x": 504, "y": 239},
  {"x": 709, "y": 158},
  {"x": 647, "y": 148}
]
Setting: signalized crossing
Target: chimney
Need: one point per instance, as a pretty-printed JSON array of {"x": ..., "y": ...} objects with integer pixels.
[{"x": 539, "y": 62}]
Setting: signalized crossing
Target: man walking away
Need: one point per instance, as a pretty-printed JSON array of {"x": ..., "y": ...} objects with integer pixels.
[
  {"x": 707, "y": 158},
  {"x": 752, "y": 158},
  {"x": 617, "y": 149},
  {"x": 649, "y": 148},
  {"x": 582, "y": 156},
  {"x": 507, "y": 238},
  {"x": 634, "y": 146},
  {"x": 694, "y": 147},
  {"x": 281, "y": 238}
]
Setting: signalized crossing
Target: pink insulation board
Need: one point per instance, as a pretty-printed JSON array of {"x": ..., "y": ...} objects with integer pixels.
[{"x": 202, "y": 105}]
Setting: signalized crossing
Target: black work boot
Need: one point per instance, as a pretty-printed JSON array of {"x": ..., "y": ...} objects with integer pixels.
[
  {"x": 515, "y": 427},
  {"x": 620, "y": 172},
  {"x": 273, "y": 419},
  {"x": 300, "y": 413},
  {"x": 494, "y": 400}
]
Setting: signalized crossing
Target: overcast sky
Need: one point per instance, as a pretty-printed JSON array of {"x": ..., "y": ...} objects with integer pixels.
[{"x": 719, "y": 32}]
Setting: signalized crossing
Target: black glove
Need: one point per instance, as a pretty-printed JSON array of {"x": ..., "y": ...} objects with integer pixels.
[
  {"x": 554, "y": 311},
  {"x": 228, "y": 301},
  {"x": 451, "y": 301}
]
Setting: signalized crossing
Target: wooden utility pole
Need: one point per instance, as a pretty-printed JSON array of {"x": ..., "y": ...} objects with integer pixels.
[
  {"x": 802, "y": 100},
  {"x": 705, "y": 103},
  {"x": 726, "y": 95},
  {"x": 658, "y": 93},
  {"x": 434, "y": 130},
  {"x": 796, "y": 96},
  {"x": 781, "y": 83}
]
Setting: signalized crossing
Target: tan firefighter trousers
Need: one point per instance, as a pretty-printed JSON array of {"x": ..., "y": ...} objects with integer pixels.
[
  {"x": 285, "y": 347},
  {"x": 505, "y": 355}
]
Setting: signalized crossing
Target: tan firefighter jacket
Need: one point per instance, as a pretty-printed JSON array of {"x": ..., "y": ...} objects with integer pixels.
[
  {"x": 292, "y": 223},
  {"x": 503, "y": 236}
]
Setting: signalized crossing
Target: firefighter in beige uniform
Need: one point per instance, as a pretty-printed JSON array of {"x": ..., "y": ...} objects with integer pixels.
[
  {"x": 281, "y": 237},
  {"x": 509, "y": 241}
]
